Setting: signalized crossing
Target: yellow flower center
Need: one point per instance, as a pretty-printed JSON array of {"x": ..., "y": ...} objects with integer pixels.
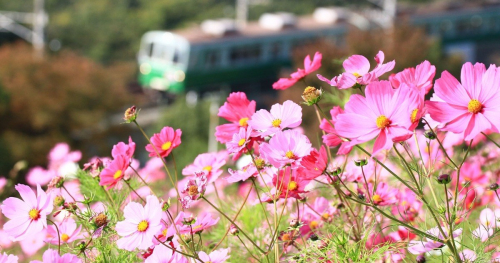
[
  {"x": 286, "y": 237},
  {"x": 487, "y": 223},
  {"x": 166, "y": 146},
  {"x": 292, "y": 186},
  {"x": 64, "y": 237},
  {"x": 207, "y": 168},
  {"x": 117, "y": 174},
  {"x": 259, "y": 163},
  {"x": 314, "y": 224},
  {"x": 325, "y": 216},
  {"x": 413, "y": 117},
  {"x": 193, "y": 190},
  {"x": 404, "y": 203},
  {"x": 241, "y": 142},
  {"x": 474, "y": 106},
  {"x": 34, "y": 214},
  {"x": 356, "y": 74},
  {"x": 243, "y": 122},
  {"x": 383, "y": 122},
  {"x": 164, "y": 232},
  {"x": 377, "y": 199},
  {"x": 276, "y": 123},
  {"x": 142, "y": 226},
  {"x": 289, "y": 155}
]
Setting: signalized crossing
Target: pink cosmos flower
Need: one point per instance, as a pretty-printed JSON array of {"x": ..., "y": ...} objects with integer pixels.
[
  {"x": 164, "y": 142},
  {"x": 61, "y": 154},
  {"x": 290, "y": 183},
  {"x": 163, "y": 254},
  {"x": 468, "y": 255},
  {"x": 385, "y": 113},
  {"x": 243, "y": 174},
  {"x": 331, "y": 138},
  {"x": 153, "y": 170},
  {"x": 68, "y": 232},
  {"x": 51, "y": 256},
  {"x": 313, "y": 216},
  {"x": 39, "y": 175},
  {"x": 309, "y": 67},
  {"x": 114, "y": 172},
  {"x": 217, "y": 256},
  {"x": 287, "y": 147},
  {"x": 140, "y": 226},
  {"x": 237, "y": 110},
  {"x": 203, "y": 222},
  {"x": 314, "y": 164},
  {"x": 424, "y": 246},
  {"x": 6, "y": 258},
  {"x": 239, "y": 141},
  {"x": 195, "y": 188},
  {"x": 124, "y": 149},
  {"x": 357, "y": 71},
  {"x": 384, "y": 195},
  {"x": 420, "y": 77},
  {"x": 33, "y": 243},
  {"x": 288, "y": 115},
  {"x": 470, "y": 107},
  {"x": 408, "y": 206},
  {"x": 28, "y": 216},
  {"x": 489, "y": 220},
  {"x": 208, "y": 162}
]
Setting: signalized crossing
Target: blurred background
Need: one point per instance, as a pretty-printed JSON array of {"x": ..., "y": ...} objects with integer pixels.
[{"x": 69, "y": 68}]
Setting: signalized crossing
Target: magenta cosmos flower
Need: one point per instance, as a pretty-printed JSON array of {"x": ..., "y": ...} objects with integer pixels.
[
  {"x": 357, "y": 70},
  {"x": 141, "y": 224},
  {"x": 124, "y": 149},
  {"x": 420, "y": 77},
  {"x": 68, "y": 232},
  {"x": 331, "y": 138},
  {"x": 237, "y": 110},
  {"x": 288, "y": 115},
  {"x": 163, "y": 254},
  {"x": 115, "y": 171},
  {"x": 314, "y": 164},
  {"x": 309, "y": 67},
  {"x": 210, "y": 163},
  {"x": 384, "y": 195},
  {"x": 51, "y": 256},
  {"x": 217, "y": 256},
  {"x": 287, "y": 147},
  {"x": 238, "y": 143},
  {"x": 470, "y": 107},
  {"x": 385, "y": 113},
  {"x": 28, "y": 216},
  {"x": 164, "y": 142},
  {"x": 424, "y": 246}
]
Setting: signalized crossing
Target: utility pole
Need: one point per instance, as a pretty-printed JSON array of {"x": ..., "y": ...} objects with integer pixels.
[
  {"x": 12, "y": 21},
  {"x": 241, "y": 13}
]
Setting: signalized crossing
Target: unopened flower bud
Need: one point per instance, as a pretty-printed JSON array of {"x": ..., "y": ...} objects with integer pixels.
[
  {"x": 56, "y": 182},
  {"x": 311, "y": 95},
  {"x": 260, "y": 163},
  {"x": 430, "y": 135},
  {"x": 314, "y": 237},
  {"x": 494, "y": 187},
  {"x": 166, "y": 205},
  {"x": 81, "y": 246},
  {"x": 444, "y": 179},
  {"x": 361, "y": 196},
  {"x": 294, "y": 223},
  {"x": 95, "y": 166},
  {"x": 130, "y": 114},
  {"x": 336, "y": 171},
  {"x": 361, "y": 162},
  {"x": 421, "y": 258},
  {"x": 71, "y": 206},
  {"x": 58, "y": 200},
  {"x": 188, "y": 220},
  {"x": 101, "y": 220},
  {"x": 233, "y": 230}
]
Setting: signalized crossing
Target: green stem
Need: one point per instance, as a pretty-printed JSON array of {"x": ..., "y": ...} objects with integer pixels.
[
  {"x": 134, "y": 191},
  {"x": 58, "y": 236},
  {"x": 491, "y": 140}
]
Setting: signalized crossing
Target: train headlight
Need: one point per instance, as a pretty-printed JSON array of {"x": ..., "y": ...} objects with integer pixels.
[
  {"x": 180, "y": 75},
  {"x": 145, "y": 68}
]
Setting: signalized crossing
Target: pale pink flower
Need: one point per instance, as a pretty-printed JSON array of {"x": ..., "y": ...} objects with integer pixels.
[
  {"x": 242, "y": 175},
  {"x": 288, "y": 115},
  {"x": 51, "y": 256},
  {"x": 314, "y": 216},
  {"x": 424, "y": 246},
  {"x": 6, "y": 258},
  {"x": 385, "y": 113},
  {"x": 164, "y": 142},
  {"x": 287, "y": 147},
  {"x": 309, "y": 67},
  {"x": 217, "y": 256},
  {"x": 39, "y": 175},
  {"x": 331, "y": 138},
  {"x": 384, "y": 195},
  {"x": 240, "y": 141},
  {"x": 200, "y": 223},
  {"x": 153, "y": 171},
  {"x": 163, "y": 254},
  {"x": 470, "y": 107},
  {"x": 489, "y": 220},
  {"x": 33, "y": 243},
  {"x": 357, "y": 69},
  {"x": 420, "y": 77},
  {"x": 196, "y": 186},
  {"x": 28, "y": 216},
  {"x": 114, "y": 172},
  {"x": 211, "y": 163},
  {"x": 68, "y": 232},
  {"x": 124, "y": 149},
  {"x": 408, "y": 206},
  {"x": 62, "y": 154},
  {"x": 237, "y": 110},
  {"x": 141, "y": 224},
  {"x": 468, "y": 255}
]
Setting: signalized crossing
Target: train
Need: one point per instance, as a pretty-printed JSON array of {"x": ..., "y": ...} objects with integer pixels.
[{"x": 219, "y": 53}]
